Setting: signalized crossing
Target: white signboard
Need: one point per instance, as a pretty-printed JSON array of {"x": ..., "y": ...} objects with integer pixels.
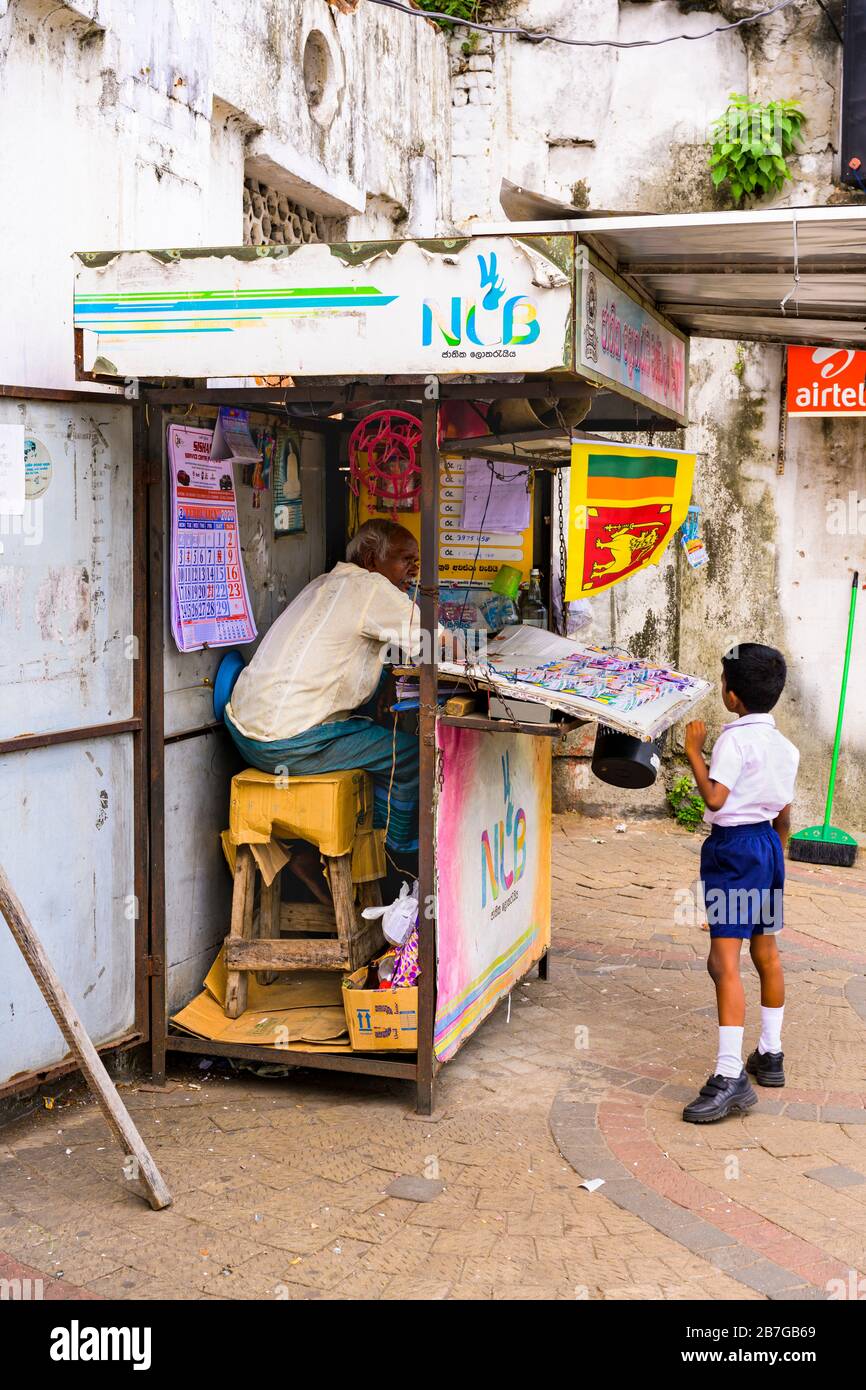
[{"x": 486, "y": 305}]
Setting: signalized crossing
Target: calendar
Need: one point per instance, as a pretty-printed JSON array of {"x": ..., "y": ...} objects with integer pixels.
[{"x": 210, "y": 604}]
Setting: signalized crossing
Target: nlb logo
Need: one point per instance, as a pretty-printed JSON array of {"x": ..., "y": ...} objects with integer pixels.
[
  {"x": 503, "y": 860},
  {"x": 496, "y": 321}
]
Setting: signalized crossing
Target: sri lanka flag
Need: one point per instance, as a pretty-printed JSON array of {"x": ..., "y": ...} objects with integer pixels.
[{"x": 625, "y": 504}]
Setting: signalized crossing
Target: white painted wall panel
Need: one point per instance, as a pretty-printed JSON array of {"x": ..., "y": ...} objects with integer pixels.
[
  {"x": 66, "y": 575},
  {"x": 66, "y": 842}
]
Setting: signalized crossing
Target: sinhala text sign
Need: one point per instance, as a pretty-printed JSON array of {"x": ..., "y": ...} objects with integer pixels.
[{"x": 622, "y": 342}]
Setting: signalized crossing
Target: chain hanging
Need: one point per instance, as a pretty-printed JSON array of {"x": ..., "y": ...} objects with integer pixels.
[{"x": 563, "y": 559}]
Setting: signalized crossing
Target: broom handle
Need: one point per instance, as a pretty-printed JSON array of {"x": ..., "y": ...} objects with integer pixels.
[{"x": 838, "y": 739}]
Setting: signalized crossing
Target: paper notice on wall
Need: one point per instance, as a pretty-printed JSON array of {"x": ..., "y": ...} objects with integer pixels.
[
  {"x": 288, "y": 502},
  {"x": 232, "y": 438},
  {"x": 11, "y": 470},
  {"x": 210, "y": 605},
  {"x": 496, "y": 496}
]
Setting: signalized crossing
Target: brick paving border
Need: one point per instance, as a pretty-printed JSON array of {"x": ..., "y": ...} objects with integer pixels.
[
  {"x": 595, "y": 1139},
  {"x": 55, "y": 1289}
]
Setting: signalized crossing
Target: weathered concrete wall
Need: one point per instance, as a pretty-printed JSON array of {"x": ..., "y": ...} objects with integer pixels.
[
  {"x": 626, "y": 130},
  {"x": 135, "y": 123}
]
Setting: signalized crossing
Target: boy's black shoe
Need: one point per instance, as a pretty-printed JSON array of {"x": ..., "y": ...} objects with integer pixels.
[
  {"x": 722, "y": 1095},
  {"x": 767, "y": 1068}
]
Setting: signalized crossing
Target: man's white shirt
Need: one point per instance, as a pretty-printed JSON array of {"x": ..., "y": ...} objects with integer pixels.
[{"x": 323, "y": 656}]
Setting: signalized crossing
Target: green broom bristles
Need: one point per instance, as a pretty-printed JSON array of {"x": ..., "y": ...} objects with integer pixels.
[{"x": 817, "y": 845}]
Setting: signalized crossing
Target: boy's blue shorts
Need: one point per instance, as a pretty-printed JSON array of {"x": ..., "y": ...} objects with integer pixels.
[{"x": 743, "y": 878}]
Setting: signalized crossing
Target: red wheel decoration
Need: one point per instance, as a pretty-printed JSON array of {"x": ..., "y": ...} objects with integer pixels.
[{"x": 389, "y": 443}]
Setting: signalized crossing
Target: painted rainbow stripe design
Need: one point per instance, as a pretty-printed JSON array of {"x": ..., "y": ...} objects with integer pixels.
[
  {"x": 216, "y": 311},
  {"x": 460, "y": 1016}
]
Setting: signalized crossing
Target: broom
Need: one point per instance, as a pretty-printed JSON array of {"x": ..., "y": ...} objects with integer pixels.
[{"x": 827, "y": 844}]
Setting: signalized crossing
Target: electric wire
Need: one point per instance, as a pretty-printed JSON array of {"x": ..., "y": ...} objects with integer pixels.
[{"x": 517, "y": 31}]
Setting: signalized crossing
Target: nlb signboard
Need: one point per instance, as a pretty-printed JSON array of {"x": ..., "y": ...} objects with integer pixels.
[
  {"x": 493, "y": 846},
  {"x": 479, "y": 305},
  {"x": 826, "y": 381}
]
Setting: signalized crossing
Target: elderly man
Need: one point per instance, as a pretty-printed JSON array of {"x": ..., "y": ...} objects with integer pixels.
[{"x": 297, "y": 708}]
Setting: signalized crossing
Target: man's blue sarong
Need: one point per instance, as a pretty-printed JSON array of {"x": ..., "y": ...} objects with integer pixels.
[{"x": 340, "y": 746}]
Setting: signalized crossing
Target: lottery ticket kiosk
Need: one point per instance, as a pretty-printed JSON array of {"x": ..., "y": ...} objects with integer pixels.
[{"x": 310, "y": 343}]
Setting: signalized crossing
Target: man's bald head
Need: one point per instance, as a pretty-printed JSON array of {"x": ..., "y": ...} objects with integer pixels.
[{"x": 387, "y": 548}]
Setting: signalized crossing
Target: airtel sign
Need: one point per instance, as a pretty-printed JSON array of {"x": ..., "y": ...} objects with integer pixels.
[{"x": 826, "y": 381}]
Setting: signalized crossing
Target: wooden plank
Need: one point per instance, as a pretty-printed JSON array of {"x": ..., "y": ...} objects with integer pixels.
[
  {"x": 269, "y": 918},
  {"x": 287, "y": 954},
  {"x": 139, "y": 1162},
  {"x": 307, "y": 917},
  {"x": 510, "y": 726},
  {"x": 241, "y": 928},
  {"x": 359, "y": 1062},
  {"x": 370, "y": 894},
  {"x": 343, "y": 893}
]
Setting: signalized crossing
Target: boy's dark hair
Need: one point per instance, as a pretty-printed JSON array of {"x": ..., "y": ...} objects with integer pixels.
[{"x": 756, "y": 674}]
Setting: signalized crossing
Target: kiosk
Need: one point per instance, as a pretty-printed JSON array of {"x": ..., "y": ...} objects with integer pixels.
[{"x": 309, "y": 337}]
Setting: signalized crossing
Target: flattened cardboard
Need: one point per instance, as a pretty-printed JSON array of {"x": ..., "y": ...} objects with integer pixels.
[{"x": 322, "y": 1028}]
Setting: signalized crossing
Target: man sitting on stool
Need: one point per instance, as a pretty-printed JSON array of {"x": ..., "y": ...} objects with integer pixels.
[{"x": 296, "y": 710}]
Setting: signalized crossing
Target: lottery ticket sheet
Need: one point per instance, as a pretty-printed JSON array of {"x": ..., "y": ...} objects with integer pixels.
[
  {"x": 210, "y": 604},
  {"x": 594, "y": 683}
]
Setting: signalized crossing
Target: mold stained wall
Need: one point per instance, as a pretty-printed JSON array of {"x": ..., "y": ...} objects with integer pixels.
[
  {"x": 133, "y": 123},
  {"x": 626, "y": 131}
]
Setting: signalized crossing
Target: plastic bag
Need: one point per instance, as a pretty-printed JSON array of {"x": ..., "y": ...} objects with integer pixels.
[{"x": 399, "y": 917}]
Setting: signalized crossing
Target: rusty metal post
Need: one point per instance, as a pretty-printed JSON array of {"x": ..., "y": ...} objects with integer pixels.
[
  {"x": 427, "y": 789},
  {"x": 156, "y": 737}
]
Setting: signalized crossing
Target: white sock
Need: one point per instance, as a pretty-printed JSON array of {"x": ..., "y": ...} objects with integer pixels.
[
  {"x": 730, "y": 1059},
  {"x": 771, "y": 1030}
]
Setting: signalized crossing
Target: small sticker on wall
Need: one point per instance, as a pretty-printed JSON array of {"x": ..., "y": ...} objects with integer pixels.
[{"x": 37, "y": 467}]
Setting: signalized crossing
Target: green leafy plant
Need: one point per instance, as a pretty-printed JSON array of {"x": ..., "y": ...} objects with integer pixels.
[
  {"x": 751, "y": 145},
  {"x": 457, "y": 9},
  {"x": 687, "y": 807}
]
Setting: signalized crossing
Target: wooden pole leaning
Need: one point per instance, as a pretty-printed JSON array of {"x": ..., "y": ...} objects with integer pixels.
[{"x": 140, "y": 1164}]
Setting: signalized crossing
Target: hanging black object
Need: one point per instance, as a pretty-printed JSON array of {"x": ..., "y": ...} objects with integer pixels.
[
  {"x": 854, "y": 96},
  {"x": 623, "y": 761}
]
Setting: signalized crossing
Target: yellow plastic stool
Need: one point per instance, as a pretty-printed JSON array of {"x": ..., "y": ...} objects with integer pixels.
[{"x": 333, "y": 811}]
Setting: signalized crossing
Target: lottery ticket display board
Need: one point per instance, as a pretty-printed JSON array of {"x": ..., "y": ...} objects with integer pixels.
[
  {"x": 210, "y": 605},
  {"x": 466, "y": 554}
]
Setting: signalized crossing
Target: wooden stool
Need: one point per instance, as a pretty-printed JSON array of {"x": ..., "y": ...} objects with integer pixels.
[{"x": 284, "y": 941}]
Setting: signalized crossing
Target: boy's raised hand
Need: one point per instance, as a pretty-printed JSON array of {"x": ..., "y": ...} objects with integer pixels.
[{"x": 695, "y": 736}]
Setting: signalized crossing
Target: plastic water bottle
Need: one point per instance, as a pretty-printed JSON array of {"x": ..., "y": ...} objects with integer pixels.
[{"x": 530, "y": 606}]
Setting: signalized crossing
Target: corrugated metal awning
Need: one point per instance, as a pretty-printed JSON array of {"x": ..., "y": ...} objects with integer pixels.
[{"x": 790, "y": 275}]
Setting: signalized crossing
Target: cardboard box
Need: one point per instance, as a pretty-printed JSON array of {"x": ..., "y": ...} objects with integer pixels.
[{"x": 380, "y": 1019}]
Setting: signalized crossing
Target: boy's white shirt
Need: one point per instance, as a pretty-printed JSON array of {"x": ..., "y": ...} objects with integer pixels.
[
  {"x": 323, "y": 656},
  {"x": 758, "y": 765}
]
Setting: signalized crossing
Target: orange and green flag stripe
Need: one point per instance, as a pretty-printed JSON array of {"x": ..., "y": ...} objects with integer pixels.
[{"x": 627, "y": 478}]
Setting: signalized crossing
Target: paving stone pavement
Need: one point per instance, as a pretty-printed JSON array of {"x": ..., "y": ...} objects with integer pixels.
[{"x": 281, "y": 1185}]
